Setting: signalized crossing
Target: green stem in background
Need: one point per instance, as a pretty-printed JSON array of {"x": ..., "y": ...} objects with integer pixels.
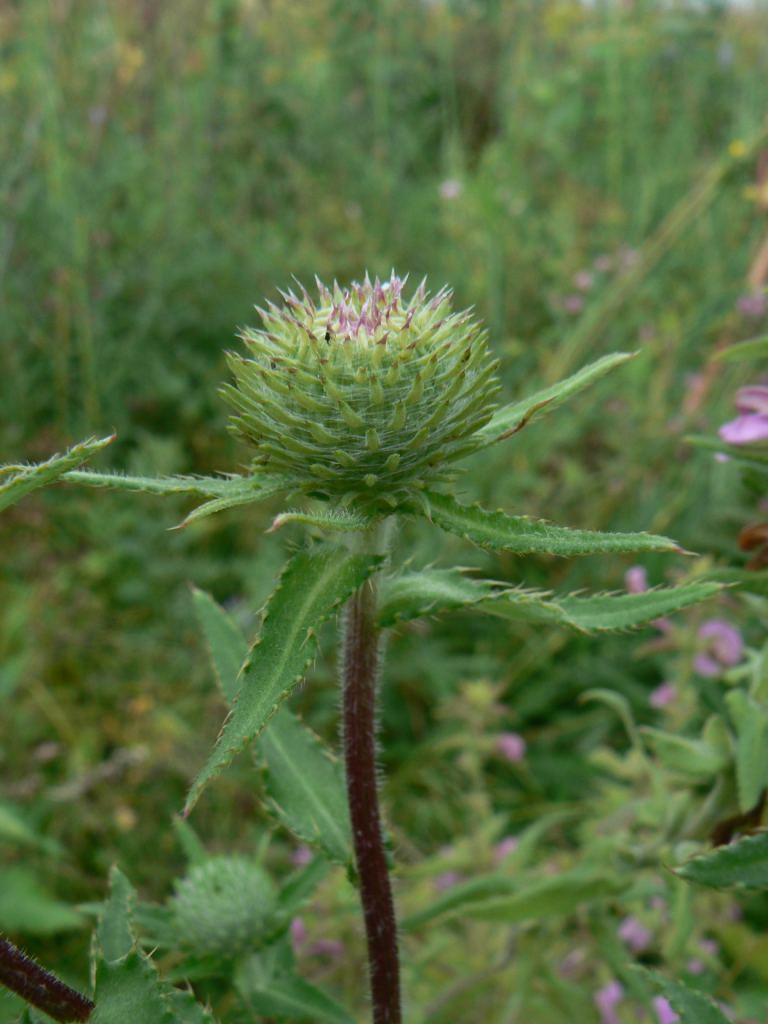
[
  {"x": 28, "y": 979},
  {"x": 360, "y": 673}
]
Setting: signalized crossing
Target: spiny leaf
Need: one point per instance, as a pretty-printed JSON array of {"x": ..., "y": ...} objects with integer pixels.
[
  {"x": 304, "y": 780},
  {"x": 18, "y": 481},
  {"x": 312, "y": 586},
  {"x": 692, "y": 1006},
  {"x": 306, "y": 787},
  {"x": 514, "y": 417},
  {"x": 223, "y": 492},
  {"x": 742, "y": 864},
  {"x": 413, "y": 595},
  {"x": 332, "y": 519},
  {"x": 523, "y": 536}
]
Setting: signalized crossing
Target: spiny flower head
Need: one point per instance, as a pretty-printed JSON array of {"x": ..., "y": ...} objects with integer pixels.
[
  {"x": 362, "y": 396},
  {"x": 225, "y": 906}
]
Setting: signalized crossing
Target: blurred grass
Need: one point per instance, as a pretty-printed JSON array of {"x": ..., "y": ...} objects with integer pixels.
[{"x": 163, "y": 167}]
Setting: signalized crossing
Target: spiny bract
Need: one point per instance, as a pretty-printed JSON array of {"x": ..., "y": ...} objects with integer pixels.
[
  {"x": 224, "y": 906},
  {"x": 362, "y": 396}
]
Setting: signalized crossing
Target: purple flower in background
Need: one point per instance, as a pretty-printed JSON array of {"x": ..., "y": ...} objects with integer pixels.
[
  {"x": 695, "y": 966},
  {"x": 451, "y": 188},
  {"x": 723, "y": 647},
  {"x": 636, "y": 579},
  {"x": 298, "y": 934},
  {"x": 753, "y": 304},
  {"x": 603, "y": 263},
  {"x": 752, "y": 423},
  {"x": 664, "y": 1012},
  {"x": 573, "y": 304},
  {"x": 331, "y": 948},
  {"x": 583, "y": 280},
  {"x": 635, "y": 935},
  {"x": 606, "y": 1001},
  {"x": 301, "y": 856},
  {"x": 447, "y": 880},
  {"x": 662, "y": 695},
  {"x": 504, "y": 848},
  {"x": 511, "y": 746}
]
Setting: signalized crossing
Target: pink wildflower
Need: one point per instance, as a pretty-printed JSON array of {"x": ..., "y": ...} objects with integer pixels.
[
  {"x": 723, "y": 647},
  {"x": 607, "y": 999},
  {"x": 511, "y": 746},
  {"x": 636, "y": 936},
  {"x": 664, "y": 1012},
  {"x": 662, "y": 695},
  {"x": 752, "y": 304},
  {"x": 447, "y": 880},
  {"x": 504, "y": 848},
  {"x": 451, "y": 188},
  {"x": 298, "y": 934},
  {"x": 573, "y": 304},
  {"x": 636, "y": 579},
  {"x": 583, "y": 280},
  {"x": 752, "y": 422},
  {"x": 301, "y": 856}
]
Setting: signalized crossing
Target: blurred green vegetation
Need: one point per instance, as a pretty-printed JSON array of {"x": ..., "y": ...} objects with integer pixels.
[{"x": 589, "y": 178}]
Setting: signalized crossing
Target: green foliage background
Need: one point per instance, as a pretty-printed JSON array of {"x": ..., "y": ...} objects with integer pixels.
[{"x": 165, "y": 166}]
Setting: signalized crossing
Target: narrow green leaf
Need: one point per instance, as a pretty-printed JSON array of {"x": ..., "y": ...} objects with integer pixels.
[
  {"x": 559, "y": 895},
  {"x": 523, "y": 536},
  {"x": 742, "y": 864},
  {"x": 291, "y": 998},
  {"x": 695, "y": 758},
  {"x": 18, "y": 481},
  {"x": 304, "y": 781},
  {"x": 691, "y": 1006},
  {"x": 332, "y": 519},
  {"x": 27, "y": 907},
  {"x": 460, "y": 896},
  {"x": 514, "y": 417},
  {"x": 15, "y": 829},
  {"x": 753, "y": 348},
  {"x": 751, "y": 724},
  {"x": 751, "y": 580},
  {"x": 416, "y": 594},
  {"x": 754, "y": 456},
  {"x": 313, "y": 585}
]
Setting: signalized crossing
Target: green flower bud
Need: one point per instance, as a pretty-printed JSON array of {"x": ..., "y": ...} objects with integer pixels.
[
  {"x": 223, "y": 907},
  {"x": 362, "y": 397}
]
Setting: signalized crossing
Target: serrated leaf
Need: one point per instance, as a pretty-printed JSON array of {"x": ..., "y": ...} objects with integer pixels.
[
  {"x": 332, "y": 519},
  {"x": 313, "y": 585},
  {"x": 751, "y": 724},
  {"x": 114, "y": 935},
  {"x": 305, "y": 782},
  {"x": 306, "y": 787},
  {"x": 18, "y": 481},
  {"x": 413, "y": 595},
  {"x": 513, "y": 417},
  {"x": 742, "y": 864},
  {"x": 692, "y": 1006},
  {"x": 559, "y": 895},
  {"x": 695, "y": 758},
  {"x": 523, "y": 536},
  {"x": 223, "y": 492}
]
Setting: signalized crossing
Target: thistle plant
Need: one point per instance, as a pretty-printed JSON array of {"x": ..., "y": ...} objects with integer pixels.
[{"x": 359, "y": 405}]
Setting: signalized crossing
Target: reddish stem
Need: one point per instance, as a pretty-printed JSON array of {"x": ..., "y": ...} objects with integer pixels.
[
  {"x": 361, "y": 653},
  {"x": 39, "y": 987}
]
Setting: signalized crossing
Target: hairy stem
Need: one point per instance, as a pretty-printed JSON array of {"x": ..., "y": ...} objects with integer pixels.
[
  {"x": 361, "y": 655},
  {"x": 39, "y": 987}
]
